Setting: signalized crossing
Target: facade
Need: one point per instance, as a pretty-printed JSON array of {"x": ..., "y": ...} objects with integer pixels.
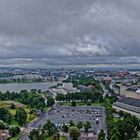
[
  {"x": 128, "y": 103},
  {"x": 69, "y": 88},
  {"x": 116, "y": 89},
  {"x": 124, "y": 80},
  {"x": 53, "y": 92},
  {"x": 107, "y": 80},
  {"x": 64, "y": 89},
  {"x": 84, "y": 88}
]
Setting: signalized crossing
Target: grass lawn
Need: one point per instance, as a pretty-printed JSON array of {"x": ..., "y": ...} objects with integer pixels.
[
  {"x": 30, "y": 117},
  {"x": 12, "y": 111},
  {"x": 97, "y": 104},
  {"x": 61, "y": 138},
  {"x": 7, "y": 105},
  {"x": 13, "y": 122},
  {"x": 69, "y": 103}
]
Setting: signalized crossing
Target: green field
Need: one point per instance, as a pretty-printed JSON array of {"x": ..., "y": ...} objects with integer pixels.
[
  {"x": 61, "y": 138},
  {"x": 80, "y": 104},
  {"x": 7, "y": 105},
  {"x": 97, "y": 104}
]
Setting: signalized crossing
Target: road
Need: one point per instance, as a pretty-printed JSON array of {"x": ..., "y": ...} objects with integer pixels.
[
  {"x": 104, "y": 89},
  {"x": 43, "y": 96}
]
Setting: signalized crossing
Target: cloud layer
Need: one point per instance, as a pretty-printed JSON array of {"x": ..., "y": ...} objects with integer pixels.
[{"x": 68, "y": 32}]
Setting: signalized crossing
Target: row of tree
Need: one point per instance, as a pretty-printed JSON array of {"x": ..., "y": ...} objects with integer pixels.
[
  {"x": 125, "y": 128},
  {"x": 84, "y": 80},
  {"x": 42, "y": 133},
  {"x": 82, "y": 97},
  {"x": 32, "y": 98},
  {"x": 86, "y": 125},
  {"x": 49, "y": 129}
]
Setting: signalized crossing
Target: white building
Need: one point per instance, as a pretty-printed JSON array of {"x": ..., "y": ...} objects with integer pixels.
[{"x": 64, "y": 89}]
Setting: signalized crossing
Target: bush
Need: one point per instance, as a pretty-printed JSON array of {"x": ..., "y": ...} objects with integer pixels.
[
  {"x": 73, "y": 103},
  {"x": 13, "y": 131}
]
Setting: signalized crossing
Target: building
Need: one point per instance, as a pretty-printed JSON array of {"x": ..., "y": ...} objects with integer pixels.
[
  {"x": 124, "y": 80},
  {"x": 83, "y": 88},
  {"x": 129, "y": 104},
  {"x": 69, "y": 88},
  {"x": 131, "y": 91},
  {"x": 116, "y": 89},
  {"x": 64, "y": 89},
  {"x": 53, "y": 92},
  {"x": 107, "y": 80}
]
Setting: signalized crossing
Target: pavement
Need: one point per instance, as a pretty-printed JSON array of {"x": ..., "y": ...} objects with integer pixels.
[{"x": 63, "y": 114}]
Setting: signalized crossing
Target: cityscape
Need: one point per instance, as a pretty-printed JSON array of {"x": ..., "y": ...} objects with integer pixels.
[
  {"x": 69, "y": 69},
  {"x": 86, "y": 101}
]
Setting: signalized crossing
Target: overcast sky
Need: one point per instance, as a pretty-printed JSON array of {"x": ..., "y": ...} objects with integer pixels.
[{"x": 41, "y": 33}]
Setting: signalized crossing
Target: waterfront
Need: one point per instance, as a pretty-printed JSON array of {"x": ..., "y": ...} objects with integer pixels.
[{"x": 17, "y": 87}]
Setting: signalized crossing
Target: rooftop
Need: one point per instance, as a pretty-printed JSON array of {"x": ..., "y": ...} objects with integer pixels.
[{"x": 130, "y": 101}]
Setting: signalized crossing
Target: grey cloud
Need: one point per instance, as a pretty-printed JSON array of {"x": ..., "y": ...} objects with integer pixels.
[{"x": 69, "y": 32}]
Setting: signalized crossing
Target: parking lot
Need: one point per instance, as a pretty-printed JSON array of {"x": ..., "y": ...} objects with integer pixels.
[{"x": 63, "y": 114}]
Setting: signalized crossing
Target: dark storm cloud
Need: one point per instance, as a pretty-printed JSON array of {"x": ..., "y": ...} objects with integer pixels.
[{"x": 69, "y": 32}]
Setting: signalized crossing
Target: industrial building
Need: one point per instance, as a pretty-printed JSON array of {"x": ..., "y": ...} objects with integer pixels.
[{"x": 129, "y": 104}]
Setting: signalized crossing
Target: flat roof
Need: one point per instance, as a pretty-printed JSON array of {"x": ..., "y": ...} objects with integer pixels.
[{"x": 130, "y": 101}]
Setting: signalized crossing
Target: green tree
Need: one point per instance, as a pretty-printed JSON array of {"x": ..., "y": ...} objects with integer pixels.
[
  {"x": 79, "y": 125},
  {"x": 71, "y": 123},
  {"x": 87, "y": 126},
  {"x": 73, "y": 103},
  {"x": 13, "y": 131},
  {"x": 101, "y": 100},
  {"x": 2, "y": 125},
  {"x": 12, "y": 106},
  {"x": 121, "y": 113},
  {"x": 39, "y": 91},
  {"x": 34, "y": 135},
  {"x": 114, "y": 137},
  {"x": 114, "y": 133},
  {"x": 33, "y": 91},
  {"x": 101, "y": 135},
  {"x": 21, "y": 116},
  {"x": 65, "y": 128},
  {"x": 74, "y": 133},
  {"x": 5, "y": 115},
  {"x": 49, "y": 126},
  {"x": 50, "y": 101}
]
